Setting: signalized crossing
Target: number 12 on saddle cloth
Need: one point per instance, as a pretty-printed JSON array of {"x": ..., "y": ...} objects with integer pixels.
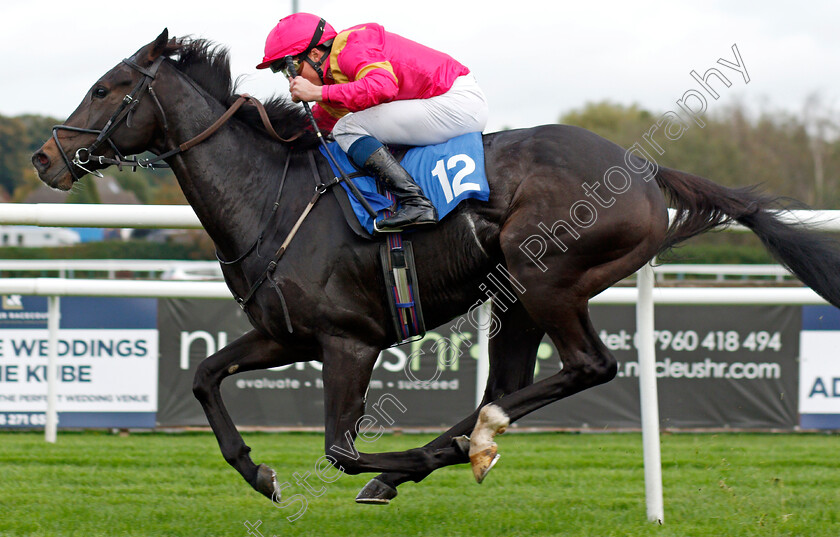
[{"x": 448, "y": 173}]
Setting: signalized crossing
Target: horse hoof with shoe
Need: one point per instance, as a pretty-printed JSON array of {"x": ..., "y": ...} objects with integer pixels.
[
  {"x": 266, "y": 483},
  {"x": 376, "y": 493},
  {"x": 492, "y": 420}
]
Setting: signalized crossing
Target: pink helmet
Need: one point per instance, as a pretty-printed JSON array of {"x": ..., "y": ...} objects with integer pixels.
[{"x": 294, "y": 35}]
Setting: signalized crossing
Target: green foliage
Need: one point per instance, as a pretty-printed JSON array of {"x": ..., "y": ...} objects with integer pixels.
[
  {"x": 97, "y": 484},
  {"x": 723, "y": 253},
  {"x": 14, "y": 139},
  {"x": 137, "y": 183},
  {"x": 23, "y": 135},
  {"x": 774, "y": 149},
  {"x": 150, "y": 186},
  {"x": 84, "y": 191},
  {"x": 616, "y": 122},
  {"x": 720, "y": 248}
]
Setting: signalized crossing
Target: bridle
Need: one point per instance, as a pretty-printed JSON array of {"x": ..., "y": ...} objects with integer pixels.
[{"x": 124, "y": 114}]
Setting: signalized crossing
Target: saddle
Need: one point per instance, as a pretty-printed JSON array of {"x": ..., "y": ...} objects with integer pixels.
[
  {"x": 396, "y": 257},
  {"x": 448, "y": 173}
]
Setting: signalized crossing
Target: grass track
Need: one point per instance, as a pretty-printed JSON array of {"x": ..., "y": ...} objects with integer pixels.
[{"x": 97, "y": 484}]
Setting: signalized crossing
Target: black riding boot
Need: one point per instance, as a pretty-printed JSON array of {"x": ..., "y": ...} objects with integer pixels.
[{"x": 416, "y": 208}]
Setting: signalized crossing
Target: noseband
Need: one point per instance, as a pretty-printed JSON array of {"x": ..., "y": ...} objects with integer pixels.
[{"x": 124, "y": 114}]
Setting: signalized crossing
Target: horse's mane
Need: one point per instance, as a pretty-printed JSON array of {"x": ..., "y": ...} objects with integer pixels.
[{"x": 208, "y": 65}]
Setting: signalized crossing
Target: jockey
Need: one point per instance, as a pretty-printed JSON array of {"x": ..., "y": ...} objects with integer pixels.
[{"x": 373, "y": 87}]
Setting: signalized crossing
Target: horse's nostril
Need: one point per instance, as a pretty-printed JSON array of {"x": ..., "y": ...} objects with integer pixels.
[{"x": 41, "y": 158}]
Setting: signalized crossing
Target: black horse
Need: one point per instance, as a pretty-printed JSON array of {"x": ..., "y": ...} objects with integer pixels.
[{"x": 569, "y": 215}]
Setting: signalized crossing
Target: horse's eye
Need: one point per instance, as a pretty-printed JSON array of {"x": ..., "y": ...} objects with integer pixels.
[{"x": 100, "y": 92}]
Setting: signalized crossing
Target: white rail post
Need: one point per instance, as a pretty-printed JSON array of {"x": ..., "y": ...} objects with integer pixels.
[
  {"x": 482, "y": 371},
  {"x": 53, "y": 322},
  {"x": 649, "y": 398}
]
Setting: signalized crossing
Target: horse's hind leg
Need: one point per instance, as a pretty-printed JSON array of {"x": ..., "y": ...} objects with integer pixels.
[
  {"x": 513, "y": 353},
  {"x": 586, "y": 363},
  {"x": 250, "y": 352},
  {"x": 557, "y": 298}
]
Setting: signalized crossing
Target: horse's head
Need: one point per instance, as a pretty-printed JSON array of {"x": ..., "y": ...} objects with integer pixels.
[{"x": 115, "y": 118}]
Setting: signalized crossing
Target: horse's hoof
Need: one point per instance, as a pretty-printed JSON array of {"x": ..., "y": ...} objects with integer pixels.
[
  {"x": 376, "y": 492},
  {"x": 483, "y": 461},
  {"x": 267, "y": 483},
  {"x": 462, "y": 444},
  {"x": 492, "y": 420}
]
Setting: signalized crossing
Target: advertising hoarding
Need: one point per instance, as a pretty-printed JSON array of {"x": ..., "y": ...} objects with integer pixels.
[
  {"x": 107, "y": 369},
  {"x": 717, "y": 366}
]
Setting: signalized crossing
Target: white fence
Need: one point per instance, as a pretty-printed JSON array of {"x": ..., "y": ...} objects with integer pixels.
[
  {"x": 191, "y": 270},
  {"x": 644, "y": 296},
  {"x": 153, "y": 268},
  {"x": 721, "y": 273},
  {"x": 70, "y": 215}
]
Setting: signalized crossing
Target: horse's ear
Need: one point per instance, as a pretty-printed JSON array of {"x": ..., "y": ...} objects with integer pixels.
[
  {"x": 160, "y": 44},
  {"x": 163, "y": 46}
]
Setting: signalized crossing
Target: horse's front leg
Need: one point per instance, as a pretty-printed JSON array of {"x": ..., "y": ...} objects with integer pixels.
[
  {"x": 250, "y": 352},
  {"x": 347, "y": 369}
]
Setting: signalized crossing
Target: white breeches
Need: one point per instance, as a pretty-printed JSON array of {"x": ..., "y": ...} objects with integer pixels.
[{"x": 461, "y": 110}]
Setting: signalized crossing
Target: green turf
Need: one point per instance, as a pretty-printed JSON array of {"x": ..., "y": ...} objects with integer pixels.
[{"x": 97, "y": 484}]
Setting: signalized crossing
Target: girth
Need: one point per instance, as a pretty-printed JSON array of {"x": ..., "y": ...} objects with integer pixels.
[{"x": 320, "y": 189}]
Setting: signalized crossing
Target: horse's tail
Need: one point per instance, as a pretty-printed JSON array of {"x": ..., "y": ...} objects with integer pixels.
[{"x": 702, "y": 205}]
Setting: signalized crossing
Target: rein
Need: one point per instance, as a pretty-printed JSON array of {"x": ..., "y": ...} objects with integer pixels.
[
  {"x": 208, "y": 132},
  {"x": 124, "y": 114}
]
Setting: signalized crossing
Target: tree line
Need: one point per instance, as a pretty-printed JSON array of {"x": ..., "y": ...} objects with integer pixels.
[
  {"x": 790, "y": 155},
  {"x": 797, "y": 156},
  {"x": 20, "y": 136}
]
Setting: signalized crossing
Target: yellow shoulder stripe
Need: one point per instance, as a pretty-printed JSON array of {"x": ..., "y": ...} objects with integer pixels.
[
  {"x": 339, "y": 42},
  {"x": 378, "y": 65}
]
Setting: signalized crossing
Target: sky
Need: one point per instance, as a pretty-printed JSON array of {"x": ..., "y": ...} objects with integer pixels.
[{"x": 535, "y": 60}]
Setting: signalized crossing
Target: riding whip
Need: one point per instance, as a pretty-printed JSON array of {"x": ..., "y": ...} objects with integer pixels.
[{"x": 292, "y": 73}]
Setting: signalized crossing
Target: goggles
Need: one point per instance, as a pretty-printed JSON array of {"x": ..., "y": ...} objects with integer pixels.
[{"x": 280, "y": 66}]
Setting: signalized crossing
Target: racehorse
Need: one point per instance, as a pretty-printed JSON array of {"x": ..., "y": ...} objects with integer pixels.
[{"x": 560, "y": 239}]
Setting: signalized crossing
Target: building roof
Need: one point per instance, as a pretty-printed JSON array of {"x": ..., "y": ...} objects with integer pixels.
[
  {"x": 45, "y": 194},
  {"x": 109, "y": 190}
]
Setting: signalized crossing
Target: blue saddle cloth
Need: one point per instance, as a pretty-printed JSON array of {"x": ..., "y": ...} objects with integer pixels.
[{"x": 448, "y": 173}]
